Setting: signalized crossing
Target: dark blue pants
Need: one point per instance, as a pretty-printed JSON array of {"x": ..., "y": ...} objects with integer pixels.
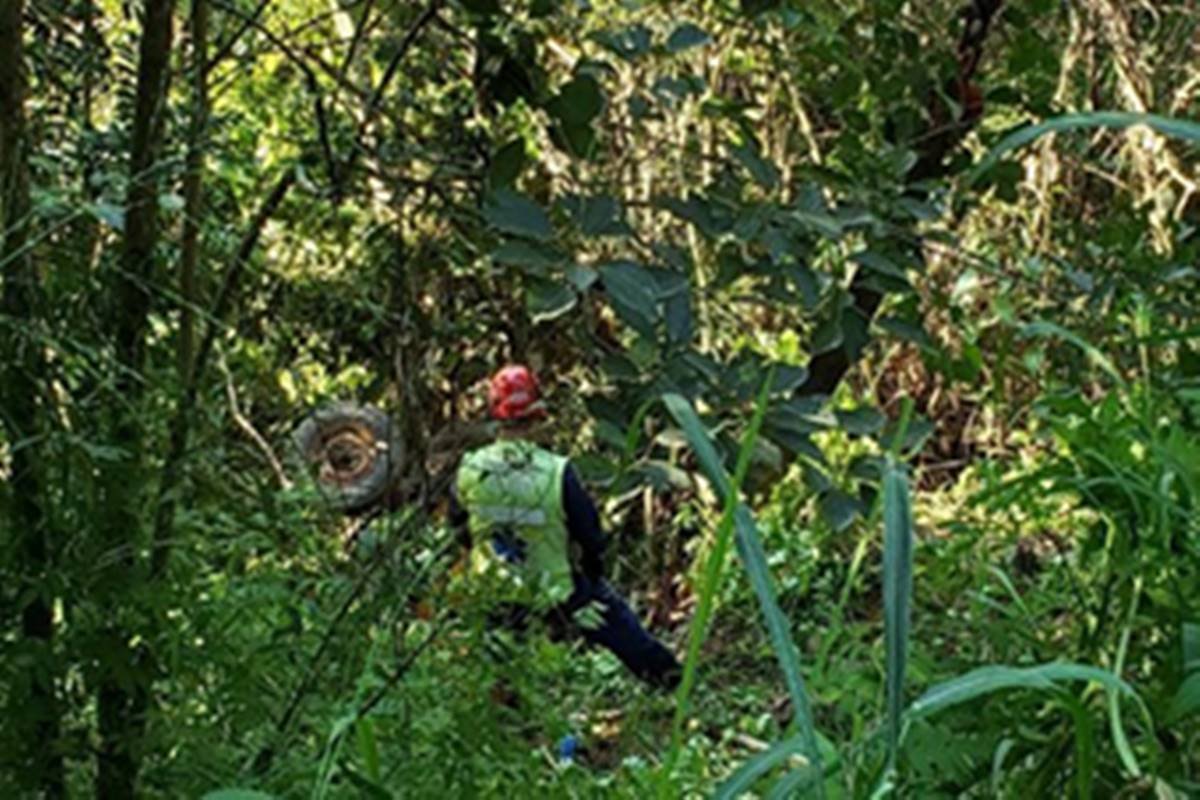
[
  {"x": 623, "y": 635},
  {"x": 621, "y": 632}
]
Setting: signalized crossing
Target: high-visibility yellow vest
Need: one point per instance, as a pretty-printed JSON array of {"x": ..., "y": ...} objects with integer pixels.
[{"x": 512, "y": 492}]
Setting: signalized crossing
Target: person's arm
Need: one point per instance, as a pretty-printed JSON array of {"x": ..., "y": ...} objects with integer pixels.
[{"x": 583, "y": 525}]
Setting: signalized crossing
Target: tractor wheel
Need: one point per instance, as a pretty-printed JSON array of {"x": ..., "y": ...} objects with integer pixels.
[{"x": 353, "y": 452}]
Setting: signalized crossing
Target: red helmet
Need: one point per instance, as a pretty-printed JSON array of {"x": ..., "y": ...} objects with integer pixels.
[{"x": 513, "y": 394}]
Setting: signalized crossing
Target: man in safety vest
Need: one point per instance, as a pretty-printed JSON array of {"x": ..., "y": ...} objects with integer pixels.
[{"x": 535, "y": 534}]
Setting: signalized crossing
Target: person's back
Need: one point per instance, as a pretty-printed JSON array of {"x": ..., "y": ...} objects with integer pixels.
[
  {"x": 513, "y": 493},
  {"x": 535, "y": 533}
]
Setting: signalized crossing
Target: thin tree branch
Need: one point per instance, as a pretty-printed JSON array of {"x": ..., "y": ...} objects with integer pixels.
[
  {"x": 302, "y": 62},
  {"x": 193, "y": 188},
  {"x": 411, "y": 36},
  {"x": 181, "y": 423},
  {"x": 393, "y": 66},
  {"x": 248, "y": 21},
  {"x": 248, "y": 428},
  {"x": 400, "y": 671}
]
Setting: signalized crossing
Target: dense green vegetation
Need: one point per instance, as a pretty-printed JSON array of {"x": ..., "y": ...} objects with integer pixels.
[{"x": 873, "y": 325}]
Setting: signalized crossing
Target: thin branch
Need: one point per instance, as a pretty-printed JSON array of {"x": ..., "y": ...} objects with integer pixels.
[
  {"x": 360, "y": 31},
  {"x": 400, "y": 671},
  {"x": 248, "y": 21},
  {"x": 181, "y": 424},
  {"x": 306, "y": 62},
  {"x": 428, "y": 14},
  {"x": 393, "y": 66},
  {"x": 248, "y": 428},
  {"x": 193, "y": 187}
]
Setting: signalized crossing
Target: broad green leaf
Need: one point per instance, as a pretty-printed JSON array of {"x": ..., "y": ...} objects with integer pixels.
[
  {"x": 762, "y": 170},
  {"x": 788, "y": 378},
  {"x": 802, "y": 415},
  {"x": 597, "y": 215},
  {"x": 630, "y": 289},
  {"x": 861, "y": 421},
  {"x": 816, "y": 479},
  {"x": 915, "y": 434},
  {"x": 903, "y": 329},
  {"x": 578, "y": 102},
  {"x": 839, "y": 509},
  {"x": 685, "y": 37},
  {"x": 671, "y": 89},
  {"x": 484, "y": 7},
  {"x": 547, "y": 300},
  {"x": 639, "y": 107},
  {"x": 867, "y": 468},
  {"x": 755, "y": 7},
  {"x": 514, "y": 213},
  {"x": 665, "y": 476},
  {"x": 806, "y": 282},
  {"x": 170, "y": 202},
  {"x": 897, "y": 593},
  {"x": 877, "y": 262},
  {"x": 1186, "y": 701},
  {"x": 820, "y": 222},
  {"x": 828, "y": 335},
  {"x": 521, "y": 253},
  {"x": 595, "y": 469},
  {"x": 578, "y": 139},
  {"x": 708, "y": 216},
  {"x": 678, "y": 312},
  {"x": 629, "y": 43},
  {"x": 110, "y": 214},
  {"x": 507, "y": 164},
  {"x": 744, "y": 777},
  {"x": 581, "y": 277}
]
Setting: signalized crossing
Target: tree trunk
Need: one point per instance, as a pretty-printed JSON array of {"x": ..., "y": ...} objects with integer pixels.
[
  {"x": 193, "y": 190},
  {"x": 122, "y": 703},
  {"x": 34, "y": 717}
]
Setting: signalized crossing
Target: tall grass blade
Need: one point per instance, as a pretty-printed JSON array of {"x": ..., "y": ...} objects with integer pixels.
[
  {"x": 368, "y": 748},
  {"x": 897, "y": 593},
  {"x": 755, "y": 560},
  {"x": 1169, "y": 126},
  {"x": 1045, "y": 330},
  {"x": 987, "y": 680},
  {"x": 1085, "y": 747},
  {"x": 750, "y": 549},
  {"x": 1120, "y": 740},
  {"x": 715, "y": 567},
  {"x": 1046, "y": 677},
  {"x": 1186, "y": 701},
  {"x": 745, "y": 775}
]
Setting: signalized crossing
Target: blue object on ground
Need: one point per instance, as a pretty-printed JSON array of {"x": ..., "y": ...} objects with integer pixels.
[{"x": 567, "y": 747}]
